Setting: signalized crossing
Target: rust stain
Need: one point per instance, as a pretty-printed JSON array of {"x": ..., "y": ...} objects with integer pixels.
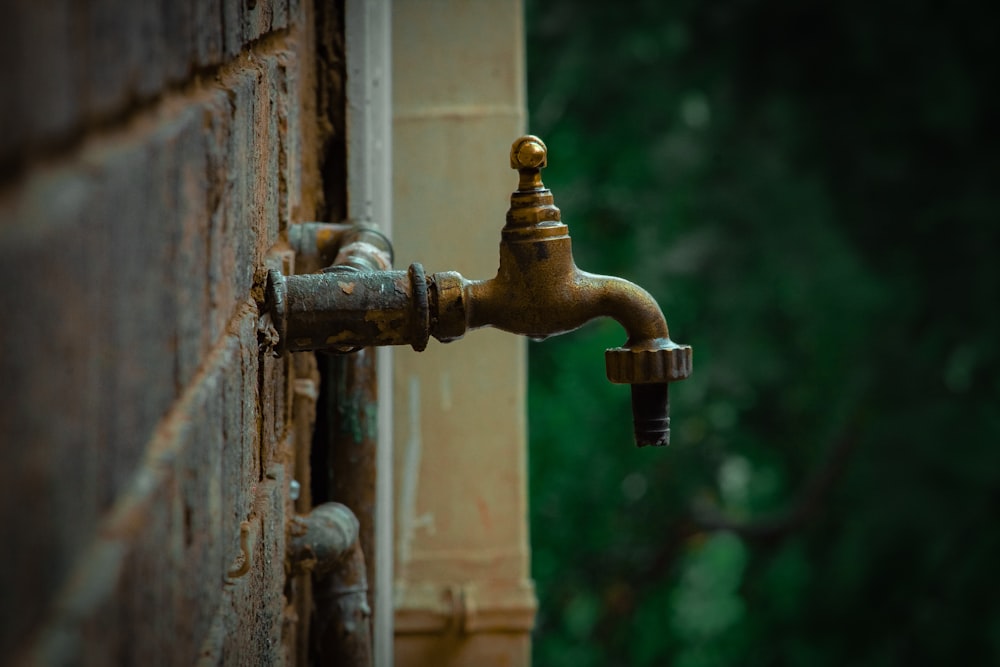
[
  {"x": 484, "y": 513},
  {"x": 338, "y": 339},
  {"x": 346, "y": 288}
]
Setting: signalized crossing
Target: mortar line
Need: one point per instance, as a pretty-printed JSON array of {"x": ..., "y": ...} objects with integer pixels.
[{"x": 52, "y": 153}]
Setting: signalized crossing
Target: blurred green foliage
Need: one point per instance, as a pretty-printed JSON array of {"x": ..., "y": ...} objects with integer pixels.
[{"x": 812, "y": 193}]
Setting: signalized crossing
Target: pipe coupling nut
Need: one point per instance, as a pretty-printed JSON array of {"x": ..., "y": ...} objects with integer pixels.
[
  {"x": 668, "y": 362},
  {"x": 447, "y": 305}
]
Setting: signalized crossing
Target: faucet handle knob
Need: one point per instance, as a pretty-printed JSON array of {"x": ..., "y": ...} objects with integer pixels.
[
  {"x": 528, "y": 152},
  {"x": 528, "y": 155}
]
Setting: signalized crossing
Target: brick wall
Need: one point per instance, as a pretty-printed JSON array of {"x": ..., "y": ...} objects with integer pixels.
[{"x": 153, "y": 154}]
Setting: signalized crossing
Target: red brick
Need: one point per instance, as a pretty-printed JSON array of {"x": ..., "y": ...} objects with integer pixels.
[
  {"x": 50, "y": 87},
  {"x": 109, "y": 266},
  {"x": 187, "y": 186},
  {"x": 207, "y": 27},
  {"x": 146, "y": 40},
  {"x": 112, "y": 50},
  {"x": 239, "y": 608},
  {"x": 131, "y": 218},
  {"x": 240, "y": 464},
  {"x": 255, "y": 618},
  {"x": 217, "y": 114},
  {"x": 256, "y": 19},
  {"x": 243, "y": 216},
  {"x": 177, "y": 18},
  {"x": 232, "y": 27},
  {"x": 155, "y": 426},
  {"x": 245, "y": 22},
  {"x": 48, "y": 416},
  {"x": 40, "y": 82},
  {"x": 171, "y": 524},
  {"x": 249, "y": 361},
  {"x": 10, "y": 105},
  {"x": 286, "y": 113},
  {"x": 238, "y": 474},
  {"x": 200, "y": 467},
  {"x": 83, "y": 631},
  {"x": 279, "y": 14},
  {"x": 269, "y": 144},
  {"x": 148, "y": 607}
]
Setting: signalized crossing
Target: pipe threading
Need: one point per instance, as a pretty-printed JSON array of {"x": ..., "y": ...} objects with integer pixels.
[{"x": 651, "y": 414}]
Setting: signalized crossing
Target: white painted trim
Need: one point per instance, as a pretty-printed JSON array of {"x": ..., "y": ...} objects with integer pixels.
[{"x": 368, "y": 38}]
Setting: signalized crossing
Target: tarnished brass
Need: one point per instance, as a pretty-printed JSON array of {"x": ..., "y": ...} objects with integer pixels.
[{"x": 538, "y": 292}]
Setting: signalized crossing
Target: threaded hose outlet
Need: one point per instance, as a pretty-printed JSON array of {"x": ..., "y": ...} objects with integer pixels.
[
  {"x": 651, "y": 414},
  {"x": 649, "y": 367}
]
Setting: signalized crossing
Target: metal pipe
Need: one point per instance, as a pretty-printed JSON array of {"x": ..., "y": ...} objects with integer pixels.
[
  {"x": 325, "y": 543},
  {"x": 351, "y": 398},
  {"x": 345, "y": 309},
  {"x": 351, "y": 406}
]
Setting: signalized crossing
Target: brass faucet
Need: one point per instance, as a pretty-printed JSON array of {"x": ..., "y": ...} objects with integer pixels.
[{"x": 538, "y": 292}]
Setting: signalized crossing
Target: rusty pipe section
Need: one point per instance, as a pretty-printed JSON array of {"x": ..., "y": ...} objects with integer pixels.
[
  {"x": 343, "y": 309},
  {"x": 538, "y": 292},
  {"x": 350, "y": 392},
  {"x": 322, "y": 244},
  {"x": 325, "y": 542}
]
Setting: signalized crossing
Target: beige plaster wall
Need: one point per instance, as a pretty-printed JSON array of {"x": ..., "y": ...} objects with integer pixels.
[{"x": 463, "y": 590}]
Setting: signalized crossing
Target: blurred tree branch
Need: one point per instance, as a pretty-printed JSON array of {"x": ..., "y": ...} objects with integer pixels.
[{"x": 777, "y": 525}]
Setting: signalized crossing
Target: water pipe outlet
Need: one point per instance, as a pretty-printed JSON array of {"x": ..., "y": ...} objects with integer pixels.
[{"x": 538, "y": 292}]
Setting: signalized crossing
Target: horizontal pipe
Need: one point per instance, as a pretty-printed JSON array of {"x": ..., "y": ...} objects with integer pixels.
[{"x": 345, "y": 309}]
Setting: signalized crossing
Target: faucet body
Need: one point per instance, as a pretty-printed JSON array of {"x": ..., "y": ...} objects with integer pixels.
[{"x": 538, "y": 292}]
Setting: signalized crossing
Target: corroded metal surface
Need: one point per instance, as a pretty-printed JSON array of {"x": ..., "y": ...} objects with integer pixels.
[
  {"x": 538, "y": 292},
  {"x": 351, "y": 406},
  {"x": 344, "y": 309},
  {"x": 350, "y": 409},
  {"x": 325, "y": 542}
]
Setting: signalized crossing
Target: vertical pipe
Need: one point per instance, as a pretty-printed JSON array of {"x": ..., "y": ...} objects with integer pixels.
[
  {"x": 352, "y": 465},
  {"x": 325, "y": 542},
  {"x": 369, "y": 184},
  {"x": 344, "y": 638}
]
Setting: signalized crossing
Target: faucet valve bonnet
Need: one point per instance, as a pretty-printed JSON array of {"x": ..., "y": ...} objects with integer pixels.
[{"x": 531, "y": 205}]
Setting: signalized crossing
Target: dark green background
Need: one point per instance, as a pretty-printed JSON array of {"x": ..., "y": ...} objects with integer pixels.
[{"x": 812, "y": 193}]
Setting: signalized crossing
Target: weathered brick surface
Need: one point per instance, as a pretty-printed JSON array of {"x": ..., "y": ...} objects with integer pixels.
[
  {"x": 125, "y": 49},
  {"x": 249, "y": 20},
  {"x": 206, "y": 30},
  {"x": 52, "y": 93},
  {"x": 80, "y": 62},
  {"x": 249, "y": 626},
  {"x": 139, "y": 423},
  {"x": 240, "y": 465},
  {"x": 50, "y": 318}
]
